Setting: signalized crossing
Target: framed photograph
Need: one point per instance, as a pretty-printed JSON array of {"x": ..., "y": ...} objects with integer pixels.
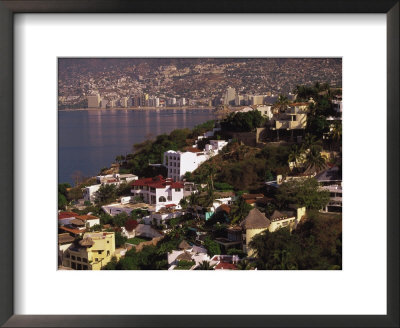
[{"x": 151, "y": 142}]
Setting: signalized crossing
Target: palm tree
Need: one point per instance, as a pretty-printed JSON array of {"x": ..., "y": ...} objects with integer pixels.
[
  {"x": 194, "y": 202},
  {"x": 314, "y": 160},
  {"x": 295, "y": 155},
  {"x": 244, "y": 265},
  {"x": 282, "y": 261},
  {"x": 336, "y": 132},
  {"x": 310, "y": 141},
  {"x": 205, "y": 265},
  {"x": 281, "y": 104}
]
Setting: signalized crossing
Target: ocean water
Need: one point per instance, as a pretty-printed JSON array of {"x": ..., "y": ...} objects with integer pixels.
[{"x": 89, "y": 140}]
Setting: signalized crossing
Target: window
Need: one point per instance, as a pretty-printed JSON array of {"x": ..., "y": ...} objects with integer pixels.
[
  {"x": 108, "y": 253},
  {"x": 100, "y": 252},
  {"x": 162, "y": 199},
  {"x": 177, "y": 189},
  {"x": 73, "y": 257},
  {"x": 96, "y": 259},
  {"x": 78, "y": 259},
  {"x": 84, "y": 267},
  {"x": 84, "y": 260}
]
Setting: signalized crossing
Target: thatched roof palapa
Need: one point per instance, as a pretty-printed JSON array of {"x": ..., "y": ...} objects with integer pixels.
[
  {"x": 277, "y": 215},
  {"x": 256, "y": 220},
  {"x": 77, "y": 222},
  {"x": 184, "y": 245},
  {"x": 184, "y": 257}
]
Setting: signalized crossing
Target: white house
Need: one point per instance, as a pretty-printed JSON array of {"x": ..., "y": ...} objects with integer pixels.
[
  {"x": 89, "y": 220},
  {"x": 331, "y": 180},
  {"x": 158, "y": 191},
  {"x": 116, "y": 178},
  {"x": 266, "y": 111},
  {"x": 89, "y": 193},
  {"x": 215, "y": 146},
  {"x": 219, "y": 201},
  {"x": 178, "y": 163},
  {"x": 161, "y": 217},
  {"x": 194, "y": 253}
]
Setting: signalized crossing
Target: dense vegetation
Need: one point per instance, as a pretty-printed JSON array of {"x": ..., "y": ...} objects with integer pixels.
[
  {"x": 243, "y": 122},
  {"x": 243, "y": 167},
  {"x": 316, "y": 244}
]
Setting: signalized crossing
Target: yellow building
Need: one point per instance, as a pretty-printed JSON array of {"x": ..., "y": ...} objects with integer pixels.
[
  {"x": 93, "y": 252},
  {"x": 255, "y": 223}
]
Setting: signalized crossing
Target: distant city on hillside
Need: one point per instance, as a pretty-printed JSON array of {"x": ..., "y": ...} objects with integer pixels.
[{"x": 177, "y": 82}]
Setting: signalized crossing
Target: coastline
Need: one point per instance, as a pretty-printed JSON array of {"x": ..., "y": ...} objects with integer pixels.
[{"x": 140, "y": 108}]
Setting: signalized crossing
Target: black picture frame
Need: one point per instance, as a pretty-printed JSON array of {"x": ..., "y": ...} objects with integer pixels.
[{"x": 10, "y": 7}]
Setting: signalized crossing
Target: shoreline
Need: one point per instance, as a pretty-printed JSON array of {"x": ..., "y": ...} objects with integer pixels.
[{"x": 139, "y": 108}]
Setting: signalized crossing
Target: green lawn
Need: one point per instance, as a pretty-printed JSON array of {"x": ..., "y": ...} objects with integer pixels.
[{"x": 136, "y": 240}]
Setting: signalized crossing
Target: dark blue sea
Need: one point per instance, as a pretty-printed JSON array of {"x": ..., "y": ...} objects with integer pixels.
[{"x": 89, "y": 140}]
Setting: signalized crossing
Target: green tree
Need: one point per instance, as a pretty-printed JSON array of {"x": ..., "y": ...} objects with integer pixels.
[
  {"x": 302, "y": 192},
  {"x": 120, "y": 219},
  {"x": 62, "y": 202},
  {"x": 314, "y": 161},
  {"x": 205, "y": 265},
  {"x": 243, "y": 122},
  {"x": 281, "y": 104},
  {"x": 245, "y": 265},
  {"x": 119, "y": 159},
  {"x": 213, "y": 247},
  {"x": 107, "y": 193},
  {"x": 119, "y": 239},
  {"x": 239, "y": 210}
]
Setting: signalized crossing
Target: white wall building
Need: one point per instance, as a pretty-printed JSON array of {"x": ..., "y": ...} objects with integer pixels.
[
  {"x": 93, "y": 101},
  {"x": 216, "y": 145},
  {"x": 89, "y": 193},
  {"x": 158, "y": 191},
  {"x": 178, "y": 163},
  {"x": 229, "y": 96},
  {"x": 257, "y": 100},
  {"x": 266, "y": 111},
  {"x": 161, "y": 218}
]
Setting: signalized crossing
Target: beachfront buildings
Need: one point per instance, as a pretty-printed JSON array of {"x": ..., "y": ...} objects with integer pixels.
[
  {"x": 93, "y": 101},
  {"x": 158, "y": 191},
  {"x": 178, "y": 163},
  {"x": 92, "y": 252}
]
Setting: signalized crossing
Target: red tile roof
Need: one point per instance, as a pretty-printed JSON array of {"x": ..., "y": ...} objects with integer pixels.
[
  {"x": 157, "y": 182},
  {"x": 65, "y": 215},
  {"x": 225, "y": 266},
  {"x": 87, "y": 217},
  {"x": 170, "y": 205},
  {"x": 225, "y": 208},
  {"x": 75, "y": 231}
]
